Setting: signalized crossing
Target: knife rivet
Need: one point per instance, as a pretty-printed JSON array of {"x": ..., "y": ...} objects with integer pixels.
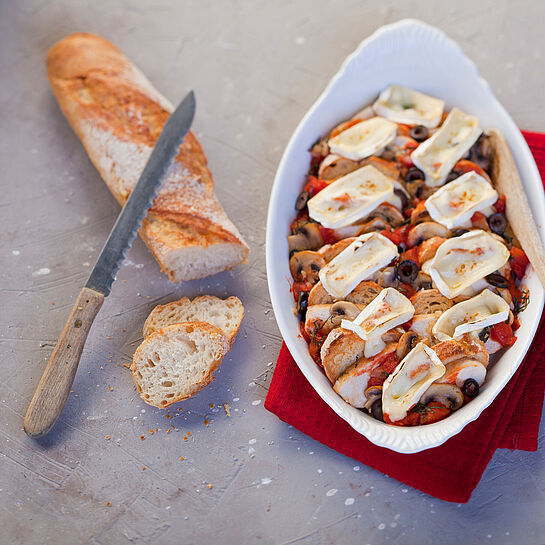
[{"x": 77, "y": 323}]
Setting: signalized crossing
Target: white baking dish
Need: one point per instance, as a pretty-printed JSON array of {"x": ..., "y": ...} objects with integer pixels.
[{"x": 417, "y": 55}]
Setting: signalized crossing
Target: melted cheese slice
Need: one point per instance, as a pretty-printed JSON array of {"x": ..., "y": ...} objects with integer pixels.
[
  {"x": 469, "y": 316},
  {"x": 389, "y": 309},
  {"x": 461, "y": 261},
  {"x": 351, "y": 197},
  {"x": 363, "y": 139},
  {"x": 404, "y": 105},
  {"x": 438, "y": 154},
  {"x": 410, "y": 379},
  {"x": 453, "y": 204},
  {"x": 365, "y": 256}
]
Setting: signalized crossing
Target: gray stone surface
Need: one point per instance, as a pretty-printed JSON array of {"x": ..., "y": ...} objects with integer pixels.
[{"x": 256, "y": 67}]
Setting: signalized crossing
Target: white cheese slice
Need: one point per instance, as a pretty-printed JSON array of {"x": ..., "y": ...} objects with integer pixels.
[
  {"x": 453, "y": 204},
  {"x": 473, "y": 315},
  {"x": 438, "y": 154},
  {"x": 358, "y": 261},
  {"x": 351, "y": 197},
  {"x": 389, "y": 309},
  {"x": 410, "y": 379},
  {"x": 461, "y": 261},
  {"x": 404, "y": 105},
  {"x": 364, "y": 139}
]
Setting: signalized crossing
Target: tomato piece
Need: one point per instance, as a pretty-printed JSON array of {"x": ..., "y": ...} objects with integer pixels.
[
  {"x": 478, "y": 220},
  {"x": 315, "y": 185},
  {"x": 434, "y": 412},
  {"x": 328, "y": 235},
  {"x": 412, "y": 419},
  {"x": 465, "y": 166},
  {"x": 407, "y": 290},
  {"x": 503, "y": 334},
  {"x": 298, "y": 287},
  {"x": 302, "y": 217},
  {"x": 405, "y": 160},
  {"x": 499, "y": 205},
  {"x": 519, "y": 261},
  {"x": 411, "y": 254},
  {"x": 516, "y": 324},
  {"x": 392, "y": 235}
]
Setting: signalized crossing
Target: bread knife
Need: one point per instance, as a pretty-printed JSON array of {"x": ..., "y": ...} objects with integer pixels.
[{"x": 54, "y": 386}]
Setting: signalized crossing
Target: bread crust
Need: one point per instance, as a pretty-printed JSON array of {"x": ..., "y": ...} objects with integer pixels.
[
  {"x": 118, "y": 116},
  {"x": 195, "y": 386}
]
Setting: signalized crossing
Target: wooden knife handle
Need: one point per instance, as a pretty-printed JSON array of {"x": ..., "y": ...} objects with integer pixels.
[{"x": 54, "y": 387}]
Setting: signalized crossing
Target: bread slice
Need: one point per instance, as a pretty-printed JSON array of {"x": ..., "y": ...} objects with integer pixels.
[
  {"x": 225, "y": 314},
  {"x": 177, "y": 361},
  {"x": 118, "y": 116}
]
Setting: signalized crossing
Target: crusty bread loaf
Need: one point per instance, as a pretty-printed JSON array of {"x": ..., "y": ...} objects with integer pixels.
[
  {"x": 225, "y": 314},
  {"x": 177, "y": 361},
  {"x": 118, "y": 116}
]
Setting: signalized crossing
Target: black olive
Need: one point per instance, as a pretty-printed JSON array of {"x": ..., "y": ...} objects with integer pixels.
[
  {"x": 376, "y": 410},
  {"x": 484, "y": 334},
  {"x": 302, "y": 305},
  {"x": 497, "y": 223},
  {"x": 407, "y": 271},
  {"x": 301, "y": 201},
  {"x": 414, "y": 174},
  {"x": 459, "y": 232},
  {"x": 388, "y": 155},
  {"x": 481, "y": 151},
  {"x": 497, "y": 280},
  {"x": 452, "y": 175},
  {"x": 419, "y": 133},
  {"x": 401, "y": 194},
  {"x": 470, "y": 388}
]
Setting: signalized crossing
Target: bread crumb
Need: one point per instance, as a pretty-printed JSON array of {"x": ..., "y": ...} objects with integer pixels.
[
  {"x": 185, "y": 437},
  {"x": 151, "y": 431},
  {"x": 208, "y": 485},
  {"x": 227, "y": 409},
  {"x": 144, "y": 468},
  {"x": 111, "y": 388},
  {"x": 167, "y": 416},
  {"x": 106, "y": 437},
  {"x": 123, "y": 331},
  {"x": 142, "y": 437},
  {"x": 182, "y": 458},
  {"x": 126, "y": 365},
  {"x": 211, "y": 405},
  {"x": 108, "y": 504},
  {"x": 206, "y": 422},
  {"x": 169, "y": 430},
  {"x": 188, "y": 433}
]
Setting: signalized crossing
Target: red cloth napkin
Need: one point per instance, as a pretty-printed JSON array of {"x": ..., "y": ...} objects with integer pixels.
[{"x": 451, "y": 471}]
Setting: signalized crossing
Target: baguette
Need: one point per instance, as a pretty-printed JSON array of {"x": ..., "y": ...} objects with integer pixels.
[
  {"x": 118, "y": 116},
  {"x": 225, "y": 314},
  {"x": 177, "y": 361}
]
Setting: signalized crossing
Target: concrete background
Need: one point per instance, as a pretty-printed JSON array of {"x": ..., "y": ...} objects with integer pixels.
[{"x": 256, "y": 67}]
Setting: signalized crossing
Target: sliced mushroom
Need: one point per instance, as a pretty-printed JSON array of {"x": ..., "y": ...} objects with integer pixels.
[
  {"x": 387, "y": 278},
  {"x": 364, "y": 292},
  {"x": 393, "y": 335},
  {"x": 430, "y": 301},
  {"x": 423, "y": 231},
  {"x": 376, "y": 224},
  {"x": 448, "y": 395},
  {"x": 335, "y": 166},
  {"x": 372, "y": 393},
  {"x": 420, "y": 214},
  {"x": 423, "y": 281},
  {"x": 389, "y": 213},
  {"x": 406, "y": 343},
  {"x": 306, "y": 265},
  {"x": 329, "y": 251},
  {"x": 418, "y": 189},
  {"x": 342, "y": 310},
  {"x": 320, "y": 148},
  {"x": 306, "y": 237}
]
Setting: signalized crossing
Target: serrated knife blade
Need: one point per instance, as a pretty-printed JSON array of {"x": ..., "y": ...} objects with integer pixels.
[
  {"x": 141, "y": 198},
  {"x": 52, "y": 391}
]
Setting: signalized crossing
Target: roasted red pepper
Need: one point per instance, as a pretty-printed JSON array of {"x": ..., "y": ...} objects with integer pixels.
[{"x": 519, "y": 261}]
